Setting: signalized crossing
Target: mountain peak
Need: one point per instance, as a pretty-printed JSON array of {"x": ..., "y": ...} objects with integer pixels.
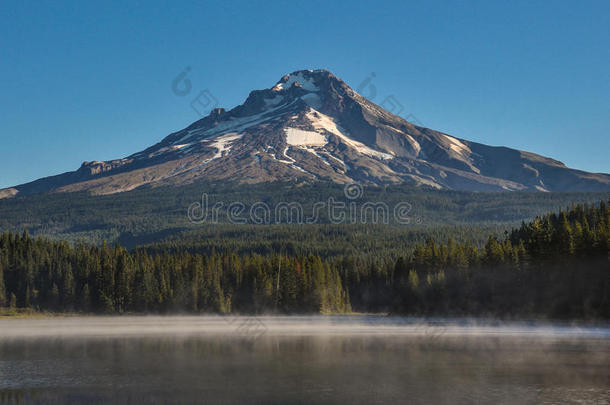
[
  {"x": 308, "y": 73},
  {"x": 312, "y": 126},
  {"x": 305, "y": 79}
]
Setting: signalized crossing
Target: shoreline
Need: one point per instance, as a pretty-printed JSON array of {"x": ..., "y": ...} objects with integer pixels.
[{"x": 23, "y": 313}]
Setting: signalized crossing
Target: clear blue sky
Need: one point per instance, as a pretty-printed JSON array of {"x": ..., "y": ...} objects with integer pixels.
[{"x": 84, "y": 81}]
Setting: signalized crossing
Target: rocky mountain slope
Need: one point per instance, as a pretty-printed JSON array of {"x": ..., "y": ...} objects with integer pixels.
[{"x": 312, "y": 126}]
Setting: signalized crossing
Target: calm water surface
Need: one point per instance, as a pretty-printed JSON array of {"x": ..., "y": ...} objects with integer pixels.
[{"x": 351, "y": 359}]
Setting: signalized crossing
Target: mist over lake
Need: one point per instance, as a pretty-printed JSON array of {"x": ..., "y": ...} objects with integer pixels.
[{"x": 307, "y": 359}]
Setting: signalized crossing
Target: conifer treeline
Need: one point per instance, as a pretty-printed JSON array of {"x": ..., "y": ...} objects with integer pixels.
[
  {"x": 557, "y": 265},
  {"x": 37, "y": 273}
]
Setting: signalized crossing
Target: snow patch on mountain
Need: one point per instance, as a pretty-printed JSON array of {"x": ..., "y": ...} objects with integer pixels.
[
  {"x": 330, "y": 155},
  {"x": 223, "y": 144},
  {"x": 321, "y": 121},
  {"x": 315, "y": 153},
  {"x": 299, "y": 137},
  {"x": 291, "y": 161}
]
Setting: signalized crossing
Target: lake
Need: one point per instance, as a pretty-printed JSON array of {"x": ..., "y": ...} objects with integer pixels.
[{"x": 307, "y": 359}]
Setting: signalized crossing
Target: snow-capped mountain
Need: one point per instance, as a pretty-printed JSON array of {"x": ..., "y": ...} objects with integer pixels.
[{"x": 312, "y": 126}]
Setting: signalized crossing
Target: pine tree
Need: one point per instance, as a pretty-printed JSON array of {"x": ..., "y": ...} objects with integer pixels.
[
  {"x": 494, "y": 254},
  {"x": 564, "y": 235},
  {"x": 68, "y": 289}
]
